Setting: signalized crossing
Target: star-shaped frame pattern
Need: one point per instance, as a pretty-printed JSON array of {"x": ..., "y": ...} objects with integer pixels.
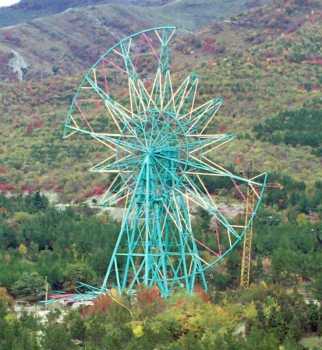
[{"x": 159, "y": 155}]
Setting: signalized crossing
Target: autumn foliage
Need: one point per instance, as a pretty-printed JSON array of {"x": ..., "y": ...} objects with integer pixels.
[
  {"x": 95, "y": 191},
  {"x": 202, "y": 294},
  {"x": 5, "y": 187},
  {"x": 101, "y": 306},
  {"x": 149, "y": 300},
  {"x": 148, "y": 295}
]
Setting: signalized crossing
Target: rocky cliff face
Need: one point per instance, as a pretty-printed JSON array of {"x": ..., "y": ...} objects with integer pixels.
[{"x": 18, "y": 64}]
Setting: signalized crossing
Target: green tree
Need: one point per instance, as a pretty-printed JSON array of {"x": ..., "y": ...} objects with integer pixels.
[
  {"x": 29, "y": 285},
  {"x": 317, "y": 287},
  {"x": 77, "y": 272},
  {"x": 56, "y": 336},
  {"x": 17, "y": 333}
]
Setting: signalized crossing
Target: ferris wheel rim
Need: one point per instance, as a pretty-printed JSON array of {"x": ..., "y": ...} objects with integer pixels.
[{"x": 105, "y": 54}]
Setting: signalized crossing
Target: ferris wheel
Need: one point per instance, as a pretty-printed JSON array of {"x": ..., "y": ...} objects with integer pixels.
[{"x": 159, "y": 157}]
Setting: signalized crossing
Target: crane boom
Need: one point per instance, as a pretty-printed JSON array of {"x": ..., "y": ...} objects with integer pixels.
[{"x": 248, "y": 238}]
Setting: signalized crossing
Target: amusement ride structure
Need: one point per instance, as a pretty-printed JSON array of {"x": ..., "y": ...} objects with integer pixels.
[{"x": 159, "y": 151}]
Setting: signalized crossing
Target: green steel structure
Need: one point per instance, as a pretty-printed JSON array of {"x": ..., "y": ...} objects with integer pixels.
[{"x": 159, "y": 154}]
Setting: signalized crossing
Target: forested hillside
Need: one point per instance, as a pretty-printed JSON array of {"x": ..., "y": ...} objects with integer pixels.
[
  {"x": 40, "y": 243},
  {"x": 267, "y": 65}
]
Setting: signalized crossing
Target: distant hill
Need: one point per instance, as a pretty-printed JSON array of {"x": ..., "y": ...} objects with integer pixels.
[
  {"x": 70, "y": 41},
  {"x": 26, "y": 10},
  {"x": 197, "y": 13},
  {"x": 192, "y": 13}
]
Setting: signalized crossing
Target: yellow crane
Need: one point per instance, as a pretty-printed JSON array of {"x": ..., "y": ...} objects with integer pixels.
[{"x": 248, "y": 238}]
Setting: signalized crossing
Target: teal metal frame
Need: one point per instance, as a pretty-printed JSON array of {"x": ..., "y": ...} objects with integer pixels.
[{"x": 158, "y": 151}]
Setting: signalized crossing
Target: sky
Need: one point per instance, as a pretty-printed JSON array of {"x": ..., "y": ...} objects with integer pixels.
[{"x": 4, "y": 3}]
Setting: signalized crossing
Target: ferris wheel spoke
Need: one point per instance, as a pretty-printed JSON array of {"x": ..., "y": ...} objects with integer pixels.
[
  {"x": 138, "y": 98},
  {"x": 194, "y": 166},
  {"x": 120, "y": 115},
  {"x": 107, "y": 99},
  {"x": 178, "y": 94},
  {"x": 116, "y": 192},
  {"x": 203, "y": 245},
  {"x": 149, "y": 41},
  {"x": 112, "y": 141},
  {"x": 164, "y": 35},
  {"x": 203, "y": 115},
  {"x": 205, "y": 122},
  {"x": 229, "y": 138},
  {"x": 138, "y": 95},
  {"x": 91, "y": 134},
  {"x": 115, "y": 183},
  {"x": 200, "y": 110},
  {"x": 116, "y": 111},
  {"x": 210, "y": 168},
  {"x": 179, "y": 214},
  {"x": 198, "y": 197},
  {"x": 71, "y": 127},
  {"x": 206, "y": 141},
  {"x": 83, "y": 117},
  {"x": 206, "y": 205},
  {"x": 164, "y": 61},
  {"x": 197, "y": 167},
  {"x": 222, "y": 219},
  {"x": 125, "y": 165},
  {"x": 162, "y": 91},
  {"x": 204, "y": 190},
  {"x": 168, "y": 94},
  {"x": 150, "y": 102},
  {"x": 158, "y": 90},
  {"x": 185, "y": 95},
  {"x": 119, "y": 141},
  {"x": 146, "y": 97},
  {"x": 125, "y": 53},
  {"x": 103, "y": 163},
  {"x": 114, "y": 199},
  {"x": 154, "y": 93}
]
